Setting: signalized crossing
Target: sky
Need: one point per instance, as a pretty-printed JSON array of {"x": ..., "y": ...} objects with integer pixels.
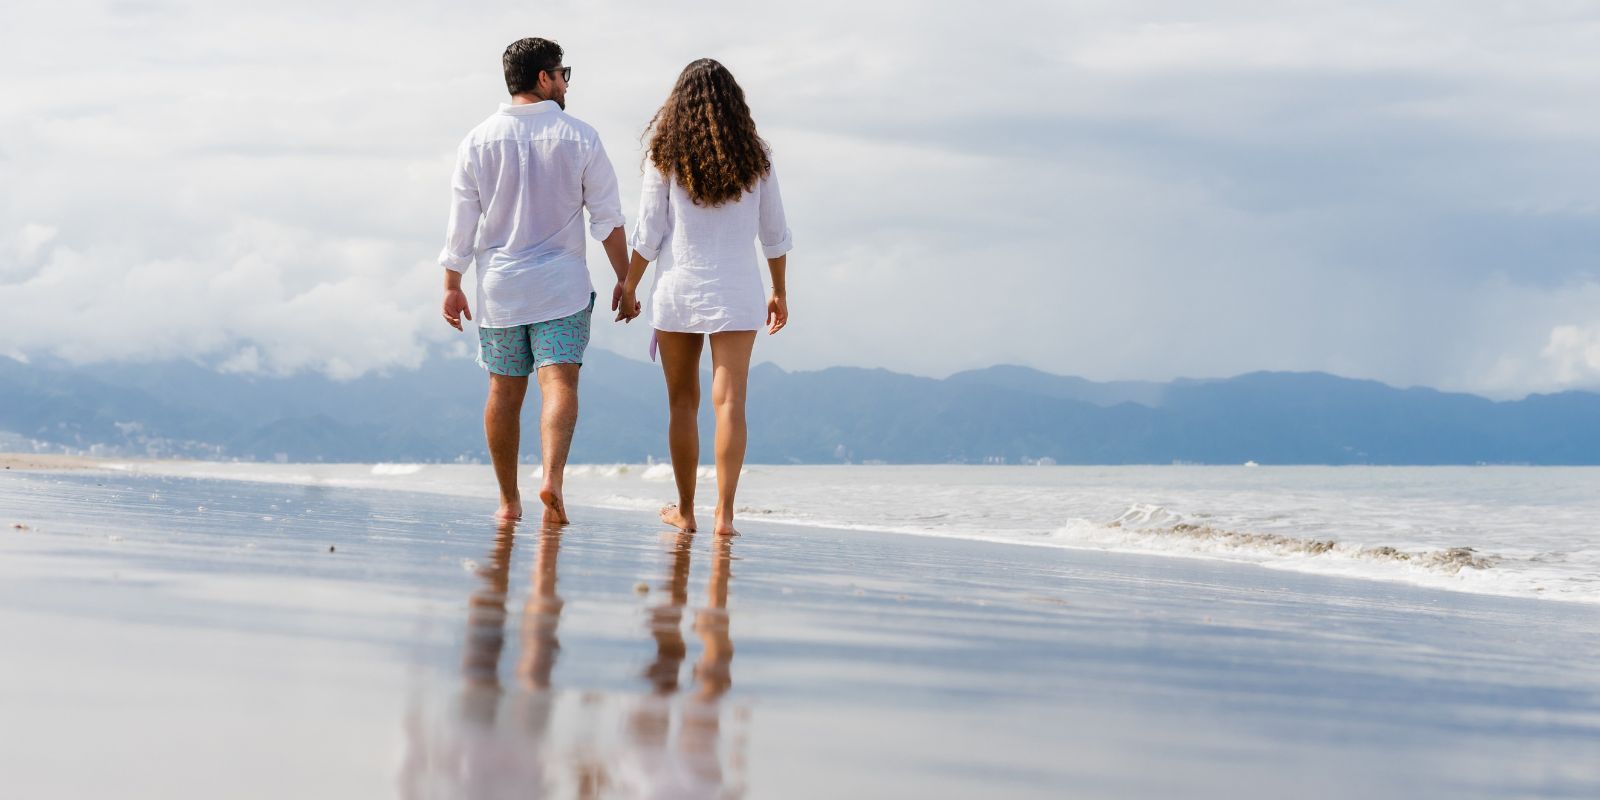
[{"x": 1404, "y": 191}]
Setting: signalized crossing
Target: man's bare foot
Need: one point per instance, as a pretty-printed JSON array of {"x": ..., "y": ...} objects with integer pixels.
[
  {"x": 509, "y": 510},
  {"x": 671, "y": 515},
  {"x": 555, "y": 511},
  {"x": 724, "y": 527}
]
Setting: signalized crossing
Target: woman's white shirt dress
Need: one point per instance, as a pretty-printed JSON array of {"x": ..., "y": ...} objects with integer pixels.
[{"x": 711, "y": 280}]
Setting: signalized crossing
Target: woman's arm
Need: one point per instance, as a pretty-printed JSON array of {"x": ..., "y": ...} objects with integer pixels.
[
  {"x": 649, "y": 235},
  {"x": 630, "y": 286},
  {"x": 778, "y": 304},
  {"x": 776, "y": 242}
]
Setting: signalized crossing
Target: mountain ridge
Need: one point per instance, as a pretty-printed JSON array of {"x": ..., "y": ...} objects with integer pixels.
[{"x": 999, "y": 414}]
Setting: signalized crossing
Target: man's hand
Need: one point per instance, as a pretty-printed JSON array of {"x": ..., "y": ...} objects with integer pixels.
[
  {"x": 455, "y": 307},
  {"x": 625, "y": 304},
  {"x": 777, "y": 313}
]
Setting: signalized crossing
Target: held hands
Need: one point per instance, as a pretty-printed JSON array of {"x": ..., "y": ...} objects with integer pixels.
[
  {"x": 777, "y": 314},
  {"x": 455, "y": 307},
  {"x": 625, "y": 304}
]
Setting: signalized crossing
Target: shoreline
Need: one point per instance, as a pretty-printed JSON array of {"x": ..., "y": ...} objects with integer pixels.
[
  {"x": 39, "y": 462},
  {"x": 1357, "y": 560}
]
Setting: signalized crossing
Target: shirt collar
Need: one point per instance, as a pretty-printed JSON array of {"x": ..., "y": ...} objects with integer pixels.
[{"x": 528, "y": 108}]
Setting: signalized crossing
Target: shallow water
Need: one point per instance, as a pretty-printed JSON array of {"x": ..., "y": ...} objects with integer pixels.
[
  {"x": 1513, "y": 531},
  {"x": 176, "y": 637}
]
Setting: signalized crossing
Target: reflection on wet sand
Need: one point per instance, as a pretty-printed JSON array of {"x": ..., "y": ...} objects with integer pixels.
[
  {"x": 532, "y": 740},
  {"x": 694, "y": 767},
  {"x": 486, "y": 632},
  {"x": 475, "y": 753},
  {"x": 666, "y": 621},
  {"x": 540, "y": 616}
]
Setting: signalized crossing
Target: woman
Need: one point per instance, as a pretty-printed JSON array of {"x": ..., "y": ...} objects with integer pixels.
[{"x": 709, "y": 193}]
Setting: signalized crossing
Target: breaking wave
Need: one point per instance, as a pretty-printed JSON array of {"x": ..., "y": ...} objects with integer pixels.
[{"x": 1154, "y": 525}]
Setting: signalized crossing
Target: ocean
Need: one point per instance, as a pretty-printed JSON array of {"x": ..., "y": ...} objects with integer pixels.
[{"x": 1510, "y": 531}]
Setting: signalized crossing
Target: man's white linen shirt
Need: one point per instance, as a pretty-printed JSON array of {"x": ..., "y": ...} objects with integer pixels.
[
  {"x": 522, "y": 179},
  {"x": 712, "y": 281}
]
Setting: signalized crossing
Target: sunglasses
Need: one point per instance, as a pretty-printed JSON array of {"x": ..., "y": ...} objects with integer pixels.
[{"x": 566, "y": 72}]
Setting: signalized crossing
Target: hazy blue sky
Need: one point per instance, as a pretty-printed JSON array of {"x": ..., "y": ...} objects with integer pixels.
[{"x": 1406, "y": 191}]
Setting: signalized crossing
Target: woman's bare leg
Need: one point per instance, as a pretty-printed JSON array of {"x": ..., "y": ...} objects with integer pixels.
[
  {"x": 680, "y": 365},
  {"x": 730, "y": 374}
]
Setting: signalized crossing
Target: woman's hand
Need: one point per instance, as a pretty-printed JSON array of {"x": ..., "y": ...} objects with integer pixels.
[
  {"x": 625, "y": 303},
  {"x": 777, "y": 313}
]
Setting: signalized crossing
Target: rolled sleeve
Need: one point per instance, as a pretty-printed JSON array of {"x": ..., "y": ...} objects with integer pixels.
[
  {"x": 655, "y": 215},
  {"x": 773, "y": 227},
  {"x": 461, "y": 233},
  {"x": 600, "y": 194}
]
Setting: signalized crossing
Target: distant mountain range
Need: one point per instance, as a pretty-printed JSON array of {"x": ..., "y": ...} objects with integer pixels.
[{"x": 1002, "y": 414}]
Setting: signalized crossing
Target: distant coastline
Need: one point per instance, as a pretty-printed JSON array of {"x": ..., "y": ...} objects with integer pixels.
[{"x": 999, "y": 415}]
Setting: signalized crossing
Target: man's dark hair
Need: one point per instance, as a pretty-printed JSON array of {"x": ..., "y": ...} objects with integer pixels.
[{"x": 525, "y": 59}]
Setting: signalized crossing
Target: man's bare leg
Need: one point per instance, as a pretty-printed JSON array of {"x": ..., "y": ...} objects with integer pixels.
[
  {"x": 502, "y": 426},
  {"x": 730, "y": 375},
  {"x": 558, "y": 414},
  {"x": 680, "y": 364}
]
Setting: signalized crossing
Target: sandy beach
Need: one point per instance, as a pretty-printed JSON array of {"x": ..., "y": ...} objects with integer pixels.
[
  {"x": 50, "y": 461},
  {"x": 175, "y": 637}
]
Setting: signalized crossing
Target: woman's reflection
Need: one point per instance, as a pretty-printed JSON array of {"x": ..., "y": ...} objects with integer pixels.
[
  {"x": 650, "y": 724},
  {"x": 713, "y": 673},
  {"x": 693, "y": 767}
]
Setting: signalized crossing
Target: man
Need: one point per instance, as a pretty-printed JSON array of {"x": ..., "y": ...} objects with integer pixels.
[{"x": 523, "y": 177}]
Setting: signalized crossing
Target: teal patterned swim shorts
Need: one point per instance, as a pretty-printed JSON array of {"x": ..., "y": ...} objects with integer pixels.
[{"x": 520, "y": 350}]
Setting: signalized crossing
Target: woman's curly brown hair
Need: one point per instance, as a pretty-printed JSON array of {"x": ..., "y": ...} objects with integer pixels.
[{"x": 704, "y": 138}]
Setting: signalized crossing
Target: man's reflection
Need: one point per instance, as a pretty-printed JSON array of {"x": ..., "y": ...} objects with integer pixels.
[
  {"x": 486, "y": 631},
  {"x": 541, "y": 615},
  {"x": 476, "y": 755}
]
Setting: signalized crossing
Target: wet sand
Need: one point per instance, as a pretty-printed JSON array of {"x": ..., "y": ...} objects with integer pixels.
[
  {"x": 51, "y": 461},
  {"x": 171, "y": 637}
]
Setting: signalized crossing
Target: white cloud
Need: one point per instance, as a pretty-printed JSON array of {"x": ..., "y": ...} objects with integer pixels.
[
  {"x": 1574, "y": 353},
  {"x": 260, "y": 296},
  {"x": 247, "y": 360},
  {"x": 32, "y": 238}
]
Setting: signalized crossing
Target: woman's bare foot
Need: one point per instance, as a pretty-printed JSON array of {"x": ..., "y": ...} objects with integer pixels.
[
  {"x": 555, "y": 511},
  {"x": 724, "y": 526},
  {"x": 509, "y": 509},
  {"x": 671, "y": 515}
]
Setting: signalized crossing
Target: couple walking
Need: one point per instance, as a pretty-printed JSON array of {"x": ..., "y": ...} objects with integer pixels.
[{"x": 522, "y": 180}]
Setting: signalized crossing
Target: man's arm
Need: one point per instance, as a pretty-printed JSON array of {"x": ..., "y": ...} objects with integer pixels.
[
  {"x": 605, "y": 213},
  {"x": 460, "y": 237},
  {"x": 616, "y": 246},
  {"x": 455, "y": 300}
]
